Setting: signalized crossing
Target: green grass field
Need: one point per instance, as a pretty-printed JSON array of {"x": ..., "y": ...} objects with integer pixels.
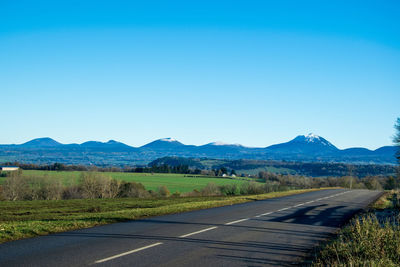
[{"x": 174, "y": 182}]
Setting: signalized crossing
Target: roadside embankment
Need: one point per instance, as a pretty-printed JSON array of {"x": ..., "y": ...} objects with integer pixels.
[{"x": 370, "y": 239}]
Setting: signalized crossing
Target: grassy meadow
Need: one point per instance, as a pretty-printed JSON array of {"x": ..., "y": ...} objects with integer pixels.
[
  {"x": 22, "y": 219},
  {"x": 174, "y": 182}
]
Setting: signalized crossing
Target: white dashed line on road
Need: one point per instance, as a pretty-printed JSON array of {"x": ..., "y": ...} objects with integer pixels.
[
  {"x": 301, "y": 204},
  {"x": 128, "y": 252},
  {"x": 214, "y": 227},
  {"x": 198, "y": 232},
  {"x": 238, "y": 221}
]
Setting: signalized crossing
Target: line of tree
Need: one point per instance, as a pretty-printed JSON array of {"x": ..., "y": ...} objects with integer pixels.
[
  {"x": 99, "y": 185},
  {"x": 352, "y": 182},
  {"x": 93, "y": 185},
  {"x": 90, "y": 185}
]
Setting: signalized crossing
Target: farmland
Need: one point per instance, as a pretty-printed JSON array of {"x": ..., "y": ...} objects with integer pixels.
[{"x": 174, "y": 182}]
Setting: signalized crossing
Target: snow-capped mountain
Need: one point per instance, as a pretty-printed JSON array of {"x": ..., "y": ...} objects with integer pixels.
[
  {"x": 314, "y": 139},
  {"x": 168, "y": 139},
  {"x": 310, "y": 144},
  {"x": 219, "y": 143},
  {"x": 163, "y": 143}
]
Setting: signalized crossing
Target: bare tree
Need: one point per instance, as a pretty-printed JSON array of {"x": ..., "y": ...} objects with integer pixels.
[
  {"x": 91, "y": 187},
  {"x": 15, "y": 187},
  {"x": 396, "y": 138},
  {"x": 163, "y": 191},
  {"x": 396, "y": 141},
  {"x": 45, "y": 188}
]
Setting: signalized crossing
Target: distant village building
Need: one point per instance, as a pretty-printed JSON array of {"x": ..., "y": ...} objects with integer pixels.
[{"x": 8, "y": 168}]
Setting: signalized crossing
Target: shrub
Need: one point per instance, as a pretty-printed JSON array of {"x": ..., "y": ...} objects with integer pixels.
[
  {"x": 210, "y": 190},
  {"x": 132, "y": 189},
  {"x": 176, "y": 194},
  {"x": 15, "y": 187},
  {"x": 163, "y": 191},
  {"x": 110, "y": 188},
  {"x": 44, "y": 188},
  {"x": 270, "y": 187},
  {"x": 194, "y": 193},
  {"x": 1, "y": 194},
  {"x": 97, "y": 185},
  {"x": 366, "y": 242},
  {"x": 251, "y": 188},
  {"x": 229, "y": 190},
  {"x": 72, "y": 192},
  {"x": 90, "y": 185}
]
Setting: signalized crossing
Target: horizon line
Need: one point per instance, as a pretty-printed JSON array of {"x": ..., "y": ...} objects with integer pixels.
[{"x": 176, "y": 140}]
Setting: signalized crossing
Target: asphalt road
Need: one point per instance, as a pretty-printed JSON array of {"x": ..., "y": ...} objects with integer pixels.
[{"x": 280, "y": 231}]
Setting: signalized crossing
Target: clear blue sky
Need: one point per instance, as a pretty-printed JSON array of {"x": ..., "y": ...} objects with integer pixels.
[{"x": 249, "y": 72}]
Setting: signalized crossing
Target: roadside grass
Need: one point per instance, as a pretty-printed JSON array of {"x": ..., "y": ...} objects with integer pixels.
[
  {"x": 371, "y": 239},
  {"x": 174, "y": 182},
  {"x": 22, "y": 219}
]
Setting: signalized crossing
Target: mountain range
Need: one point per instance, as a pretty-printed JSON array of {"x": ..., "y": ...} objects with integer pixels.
[{"x": 304, "y": 148}]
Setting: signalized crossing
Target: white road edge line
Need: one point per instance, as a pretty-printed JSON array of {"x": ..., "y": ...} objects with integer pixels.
[
  {"x": 198, "y": 232},
  {"x": 128, "y": 252}
]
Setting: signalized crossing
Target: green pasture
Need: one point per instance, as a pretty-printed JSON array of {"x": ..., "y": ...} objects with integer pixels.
[{"x": 174, "y": 182}]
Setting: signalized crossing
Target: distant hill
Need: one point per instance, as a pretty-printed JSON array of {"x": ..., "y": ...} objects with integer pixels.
[
  {"x": 41, "y": 143},
  {"x": 107, "y": 146},
  {"x": 253, "y": 167},
  {"x": 303, "y": 148},
  {"x": 164, "y": 144},
  {"x": 178, "y": 161}
]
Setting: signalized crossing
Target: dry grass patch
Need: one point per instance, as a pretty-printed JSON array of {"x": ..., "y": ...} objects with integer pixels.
[{"x": 372, "y": 239}]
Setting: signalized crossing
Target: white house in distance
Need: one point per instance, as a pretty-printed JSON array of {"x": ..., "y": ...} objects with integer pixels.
[{"x": 8, "y": 168}]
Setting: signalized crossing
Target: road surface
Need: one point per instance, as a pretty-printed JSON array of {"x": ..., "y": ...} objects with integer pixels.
[{"x": 280, "y": 231}]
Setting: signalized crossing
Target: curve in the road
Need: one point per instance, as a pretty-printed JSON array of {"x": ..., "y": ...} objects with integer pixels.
[{"x": 279, "y": 231}]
